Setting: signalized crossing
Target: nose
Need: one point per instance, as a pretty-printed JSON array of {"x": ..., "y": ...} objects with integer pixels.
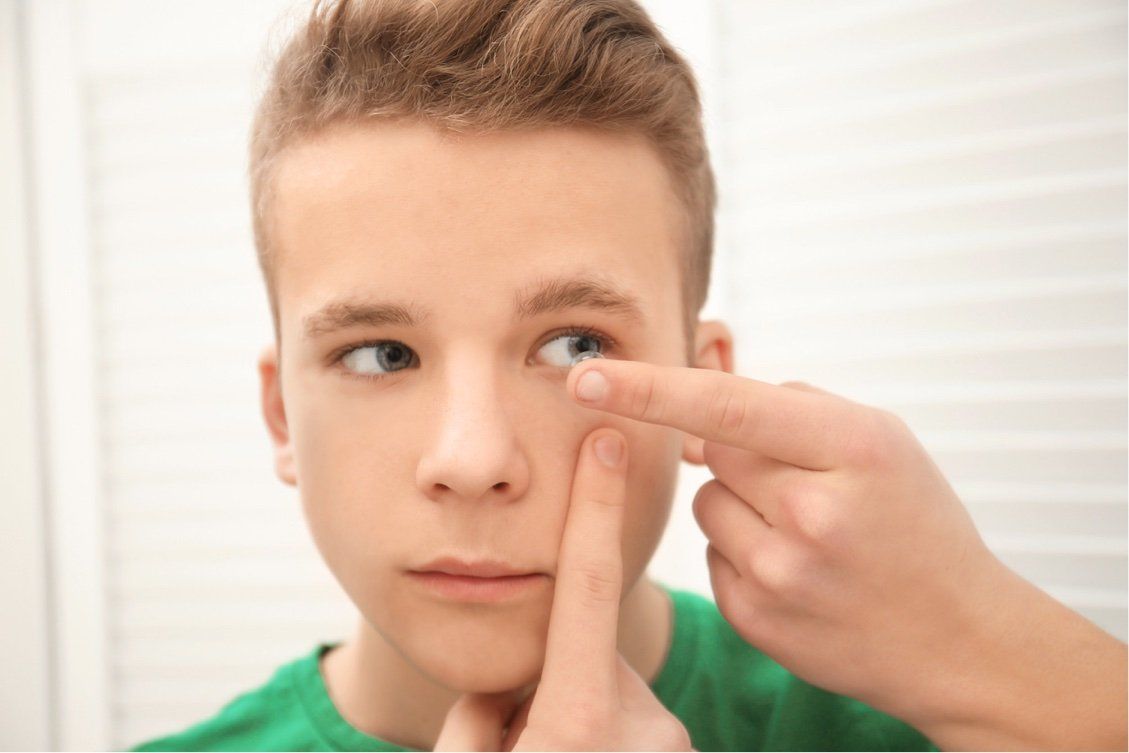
[{"x": 473, "y": 454}]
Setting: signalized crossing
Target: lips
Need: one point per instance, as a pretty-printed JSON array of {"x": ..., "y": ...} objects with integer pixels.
[{"x": 481, "y": 568}]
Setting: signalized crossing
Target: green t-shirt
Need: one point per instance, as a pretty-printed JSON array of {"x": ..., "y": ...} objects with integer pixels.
[{"x": 729, "y": 695}]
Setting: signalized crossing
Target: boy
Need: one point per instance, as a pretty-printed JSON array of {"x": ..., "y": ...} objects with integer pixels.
[{"x": 453, "y": 200}]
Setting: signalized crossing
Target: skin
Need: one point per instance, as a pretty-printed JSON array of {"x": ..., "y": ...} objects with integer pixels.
[{"x": 474, "y": 447}]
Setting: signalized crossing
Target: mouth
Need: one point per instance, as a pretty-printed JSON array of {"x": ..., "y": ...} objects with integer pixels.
[
  {"x": 480, "y": 568},
  {"x": 478, "y": 581}
]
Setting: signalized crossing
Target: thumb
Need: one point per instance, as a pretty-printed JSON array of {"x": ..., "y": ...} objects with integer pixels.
[
  {"x": 517, "y": 724},
  {"x": 476, "y": 721}
]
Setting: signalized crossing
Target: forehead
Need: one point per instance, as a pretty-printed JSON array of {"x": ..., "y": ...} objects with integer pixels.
[{"x": 427, "y": 215}]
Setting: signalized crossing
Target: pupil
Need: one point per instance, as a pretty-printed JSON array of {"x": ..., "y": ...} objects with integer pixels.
[
  {"x": 590, "y": 341},
  {"x": 393, "y": 353}
]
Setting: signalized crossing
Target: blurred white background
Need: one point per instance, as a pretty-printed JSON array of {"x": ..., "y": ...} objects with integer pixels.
[{"x": 923, "y": 207}]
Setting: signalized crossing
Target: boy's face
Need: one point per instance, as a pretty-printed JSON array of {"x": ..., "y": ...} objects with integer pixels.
[{"x": 466, "y": 442}]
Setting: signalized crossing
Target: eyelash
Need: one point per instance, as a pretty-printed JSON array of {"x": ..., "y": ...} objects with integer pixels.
[{"x": 606, "y": 343}]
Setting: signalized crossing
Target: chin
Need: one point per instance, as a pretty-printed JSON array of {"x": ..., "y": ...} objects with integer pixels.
[{"x": 480, "y": 653}]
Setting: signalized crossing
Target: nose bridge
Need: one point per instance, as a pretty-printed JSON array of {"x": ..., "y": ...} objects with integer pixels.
[{"x": 472, "y": 450}]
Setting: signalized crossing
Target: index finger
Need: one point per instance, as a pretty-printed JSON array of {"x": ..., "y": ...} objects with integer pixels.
[
  {"x": 581, "y": 649},
  {"x": 805, "y": 429}
]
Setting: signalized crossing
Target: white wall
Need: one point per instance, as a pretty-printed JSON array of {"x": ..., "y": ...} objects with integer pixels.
[
  {"x": 25, "y": 651},
  {"x": 922, "y": 207}
]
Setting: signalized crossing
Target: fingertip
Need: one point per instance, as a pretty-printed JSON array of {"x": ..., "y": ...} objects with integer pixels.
[
  {"x": 610, "y": 448},
  {"x": 587, "y": 385}
]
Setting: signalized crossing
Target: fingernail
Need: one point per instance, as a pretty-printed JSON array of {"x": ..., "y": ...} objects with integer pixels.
[
  {"x": 609, "y": 450},
  {"x": 592, "y": 386}
]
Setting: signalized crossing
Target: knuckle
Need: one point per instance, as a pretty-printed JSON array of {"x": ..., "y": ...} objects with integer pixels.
[
  {"x": 645, "y": 400},
  {"x": 731, "y": 606},
  {"x": 600, "y": 584},
  {"x": 774, "y": 571},
  {"x": 727, "y": 411},
  {"x": 797, "y": 384},
  {"x": 605, "y": 499},
  {"x": 701, "y": 499},
  {"x": 812, "y": 512},
  {"x": 741, "y": 610}
]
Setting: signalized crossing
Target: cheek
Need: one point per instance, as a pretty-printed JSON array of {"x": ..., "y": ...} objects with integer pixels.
[
  {"x": 348, "y": 482},
  {"x": 652, "y": 477}
]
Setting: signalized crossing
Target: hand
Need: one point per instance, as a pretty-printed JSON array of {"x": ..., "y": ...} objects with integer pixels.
[
  {"x": 836, "y": 546},
  {"x": 588, "y": 697},
  {"x": 839, "y": 549}
]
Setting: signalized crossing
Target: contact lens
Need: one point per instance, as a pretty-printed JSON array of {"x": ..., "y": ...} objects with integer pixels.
[{"x": 586, "y": 355}]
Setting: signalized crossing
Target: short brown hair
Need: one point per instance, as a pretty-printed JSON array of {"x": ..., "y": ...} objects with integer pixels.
[{"x": 491, "y": 65}]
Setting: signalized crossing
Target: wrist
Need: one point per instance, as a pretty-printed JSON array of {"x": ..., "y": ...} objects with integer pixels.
[{"x": 1022, "y": 671}]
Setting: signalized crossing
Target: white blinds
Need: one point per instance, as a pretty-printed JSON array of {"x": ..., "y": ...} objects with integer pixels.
[{"x": 926, "y": 202}]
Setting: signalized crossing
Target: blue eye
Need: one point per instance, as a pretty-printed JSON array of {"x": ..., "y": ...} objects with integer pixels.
[
  {"x": 573, "y": 342},
  {"x": 380, "y": 358},
  {"x": 374, "y": 360}
]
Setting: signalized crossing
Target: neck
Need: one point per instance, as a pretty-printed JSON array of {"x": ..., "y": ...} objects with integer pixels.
[{"x": 382, "y": 694}]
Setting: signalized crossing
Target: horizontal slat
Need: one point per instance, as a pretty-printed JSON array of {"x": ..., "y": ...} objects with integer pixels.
[
  {"x": 1030, "y": 493},
  {"x": 1059, "y": 545},
  {"x": 985, "y": 366},
  {"x": 215, "y": 300},
  {"x": 192, "y": 257},
  {"x": 176, "y": 538},
  {"x": 161, "y": 223},
  {"x": 252, "y": 493},
  {"x": 947, "y": 394},
  {"x": 822, "y": 298},
  {"x": 944, "y": 343},
  {"x": 1007, "y": 111},
  {"x": 987, "y": 441},
  {"x": 189, "y": 195},
  {"x": 1080, "y": 569},
  {"x": 1102, "y": 243},
  {"x": 125, "y": 107},
  {"x": 174, "y": 618},
  {"x": 956, "y": 54},
  {"x": 774, "y": 169},
  {"x": 1070, "y": 414},
  {"x": 1023, "y": 517},
  {"x": 1055, "y": 466},
  {"x": 771, "y": 213},
  {"x": 776, "y": 29},
  {"x": 923, "y": 176},
  {"x": 853, "y": 109},
  {"x": 216, "y": 578}
]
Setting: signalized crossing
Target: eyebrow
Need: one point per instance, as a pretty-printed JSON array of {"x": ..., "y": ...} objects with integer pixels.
[{"x": 540, "y": 298}]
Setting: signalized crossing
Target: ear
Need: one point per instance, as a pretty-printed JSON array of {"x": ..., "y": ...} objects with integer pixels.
[
  {"x": 274, "y": 413},
  {"x": 713, "y": 349}
]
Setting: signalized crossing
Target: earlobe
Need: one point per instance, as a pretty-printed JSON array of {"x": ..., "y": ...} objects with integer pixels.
[
  {"x": 713, "y": 349},
  {"x": 274, "y": 414}
]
